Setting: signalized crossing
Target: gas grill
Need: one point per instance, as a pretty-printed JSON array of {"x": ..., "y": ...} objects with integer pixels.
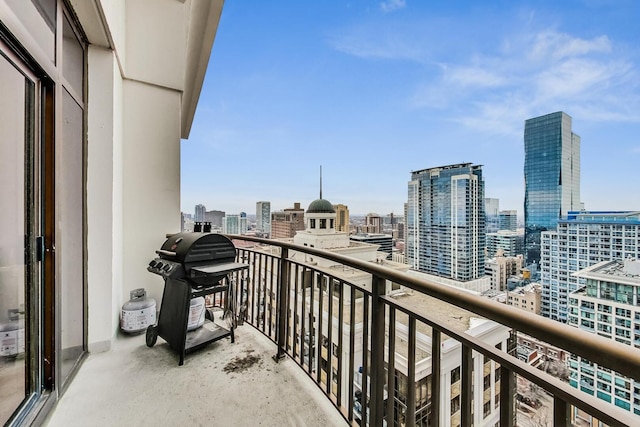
[{"x": 192, "y": 265}]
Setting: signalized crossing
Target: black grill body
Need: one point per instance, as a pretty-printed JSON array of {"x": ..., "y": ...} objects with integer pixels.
[{"x": 192, "y": 264}]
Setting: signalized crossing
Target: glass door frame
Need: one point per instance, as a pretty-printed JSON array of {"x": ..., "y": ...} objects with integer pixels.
[{"x": 34, "y": 338}]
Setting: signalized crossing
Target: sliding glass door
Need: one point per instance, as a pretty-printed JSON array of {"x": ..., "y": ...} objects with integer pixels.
[
  {"x": 19, "y": 267},
  {"x": 42, "y": 205}
]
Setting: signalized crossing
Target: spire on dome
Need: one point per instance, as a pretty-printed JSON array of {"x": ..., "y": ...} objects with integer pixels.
[
  {"x": 320, "y": 205},
  {"x": 321, "y": 181}
]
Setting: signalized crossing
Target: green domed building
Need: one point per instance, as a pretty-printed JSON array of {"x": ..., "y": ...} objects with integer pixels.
[{"x": 320, "y": 206}]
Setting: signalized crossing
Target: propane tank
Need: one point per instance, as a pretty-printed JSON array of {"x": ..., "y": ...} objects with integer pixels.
[
  {"x": 196, "y": 314},
  {"x": 138, "y": 313},
  {"x": 12, "y": 335}
]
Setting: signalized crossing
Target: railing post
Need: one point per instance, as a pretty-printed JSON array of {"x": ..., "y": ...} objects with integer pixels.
[
  {"x": 376, "y": 406},
  {"x": 466, "y": 391},
  {"x": 410, "y": 414},
  {"x": 283, "y": 299},
  {"x": 507, "y": 397},
  {"x": 561, "y": 412},
  {"x": 436, "y": 340}
]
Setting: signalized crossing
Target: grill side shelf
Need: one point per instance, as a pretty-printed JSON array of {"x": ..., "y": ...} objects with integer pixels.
[{"x": 224, "y": 268}]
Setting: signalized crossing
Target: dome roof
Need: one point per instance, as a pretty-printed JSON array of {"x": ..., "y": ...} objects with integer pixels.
[{"x": 320, "y": 206}]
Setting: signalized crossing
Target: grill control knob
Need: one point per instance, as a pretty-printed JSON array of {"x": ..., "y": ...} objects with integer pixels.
[
  {"x": 166, "y": 267},
  {"x": 152, "y": 264},
  {"x": 159, "y": 265}
]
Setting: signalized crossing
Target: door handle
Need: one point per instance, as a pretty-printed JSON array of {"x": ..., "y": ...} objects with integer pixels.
[{"x": 39, "y": 248}]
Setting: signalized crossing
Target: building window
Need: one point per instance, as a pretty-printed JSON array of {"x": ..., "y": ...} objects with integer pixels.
[
  {"x": 312, "y": 223},
  {"x": 622, "y": 404},
  {"x": 455, "y": 405},
  {"x": 455, "y": 375},
  {"x": 623, "y": 312},
  {"x": 486, "y": 410},
  {"x": 323, "y": 223}
]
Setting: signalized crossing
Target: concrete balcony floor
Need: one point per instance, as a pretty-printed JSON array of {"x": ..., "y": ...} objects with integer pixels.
[{"x": 223, "y": 384}]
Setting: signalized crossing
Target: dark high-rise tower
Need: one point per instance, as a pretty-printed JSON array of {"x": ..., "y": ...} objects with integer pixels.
[{"x": 551, "y": 175}]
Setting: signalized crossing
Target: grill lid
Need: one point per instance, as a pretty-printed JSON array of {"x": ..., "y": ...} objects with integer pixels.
[{"x": 191, "y": 248}]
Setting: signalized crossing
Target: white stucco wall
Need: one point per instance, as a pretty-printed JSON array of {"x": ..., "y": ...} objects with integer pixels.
[
  {"x": 102, "y": 321},
  {"x": 156, "y": 39},
  {"x": 151, "y": 178}
]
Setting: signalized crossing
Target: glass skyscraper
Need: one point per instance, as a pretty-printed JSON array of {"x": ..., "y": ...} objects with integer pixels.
[
  {"x": 551, "y": 175},
  {"x": 446, "y": 221}
]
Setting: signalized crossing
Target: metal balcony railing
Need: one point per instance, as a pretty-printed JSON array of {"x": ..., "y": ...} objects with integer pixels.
[{"x": 379, "y": 370}]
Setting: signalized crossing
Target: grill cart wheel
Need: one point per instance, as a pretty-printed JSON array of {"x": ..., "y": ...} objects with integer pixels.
[{"x": 152, "y": 336}]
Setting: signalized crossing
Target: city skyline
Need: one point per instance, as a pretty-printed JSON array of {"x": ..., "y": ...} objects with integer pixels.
[{"x": 376, "y": 90}]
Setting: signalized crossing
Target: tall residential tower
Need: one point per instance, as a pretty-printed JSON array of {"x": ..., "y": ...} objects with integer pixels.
[
  {"x": 263, "y": 217},
  {"x": 551, "y": 175},
  {"x": 581, "y": 240},
  {"x": 446, "y": 221},
  {"x": 342, "y": 218},
  {"x": 200, "y": 210}
]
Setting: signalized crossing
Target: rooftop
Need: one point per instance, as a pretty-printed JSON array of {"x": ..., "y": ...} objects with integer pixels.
[
  {"x": 451, "y": 316},
  {"x": 628, "y": 217},
  {"x": 627, "y": 272}
]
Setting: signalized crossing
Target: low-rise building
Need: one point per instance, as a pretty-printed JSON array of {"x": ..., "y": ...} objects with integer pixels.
[
  {"x": 285, "y": 224},
  {"x": 385, "y": 241},
  {"x": 528, "y": 298},
  {"x": 235, "y": 224},
  {"x": 501, "y": 268}
]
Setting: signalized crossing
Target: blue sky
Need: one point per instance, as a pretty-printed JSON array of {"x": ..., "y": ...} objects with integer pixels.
[{"x": 372, "y": 90}]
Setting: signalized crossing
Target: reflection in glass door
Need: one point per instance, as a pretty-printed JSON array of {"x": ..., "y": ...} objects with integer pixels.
[{"x": 16, "y": 228}]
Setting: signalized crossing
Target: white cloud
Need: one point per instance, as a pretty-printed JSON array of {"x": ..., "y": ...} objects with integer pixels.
[
  {"x": 364, "y": 43},
  {"x": 391, "y": 5},
  {"x": 556, "y": 46},
  {"x": 523, "y": 74},
  {"x": 538, "y": 73},
  {"x": 474, "y": 76},
  {"x": 577, "y": 77}
]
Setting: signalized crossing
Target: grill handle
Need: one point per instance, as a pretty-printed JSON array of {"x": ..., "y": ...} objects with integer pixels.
[{"x": 166, "y": 253}]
